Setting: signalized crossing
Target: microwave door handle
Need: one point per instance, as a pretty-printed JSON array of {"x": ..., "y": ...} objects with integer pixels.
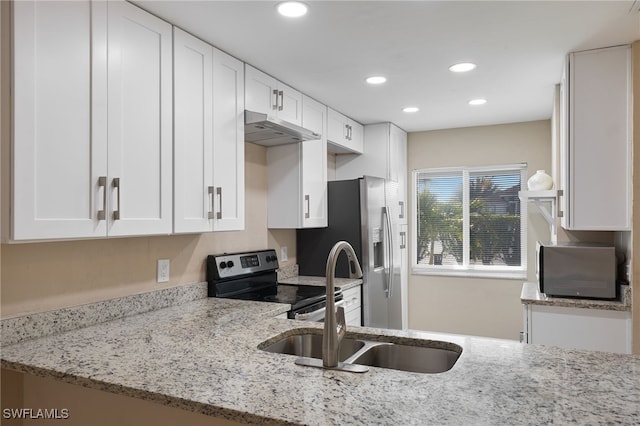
[{"x": 389, "y": 245}]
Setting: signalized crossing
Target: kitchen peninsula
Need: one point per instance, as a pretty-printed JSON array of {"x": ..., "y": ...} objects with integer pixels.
[{"x": 203, "y": 356}]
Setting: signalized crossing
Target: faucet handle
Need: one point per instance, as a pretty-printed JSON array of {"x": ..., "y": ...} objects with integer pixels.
[{"x": 342, "y": 323}]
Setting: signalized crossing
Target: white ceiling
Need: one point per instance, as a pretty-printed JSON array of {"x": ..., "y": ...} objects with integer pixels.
[{"x": 519, "y": 47}]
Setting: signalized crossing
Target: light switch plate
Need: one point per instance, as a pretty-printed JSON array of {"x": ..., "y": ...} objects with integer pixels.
[
  {"x": 284, "y": 256},
  {"x": 163, "y": 270}
]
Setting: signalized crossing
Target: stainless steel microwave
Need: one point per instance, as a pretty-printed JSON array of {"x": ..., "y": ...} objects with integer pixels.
[{"x": 582, "y": 270}]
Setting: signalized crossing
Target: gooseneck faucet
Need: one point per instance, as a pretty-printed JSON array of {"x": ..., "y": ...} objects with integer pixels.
[{"x": 335, "y": 325}]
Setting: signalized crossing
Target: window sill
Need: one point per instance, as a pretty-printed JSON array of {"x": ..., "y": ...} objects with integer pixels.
[{"x": 470, "y": 273}]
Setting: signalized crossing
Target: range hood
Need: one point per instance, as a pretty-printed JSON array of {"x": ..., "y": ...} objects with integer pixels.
[{"x": 263, "y": 129}]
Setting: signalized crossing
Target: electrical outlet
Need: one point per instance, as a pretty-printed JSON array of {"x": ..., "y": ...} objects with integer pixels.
[
  {"x": 163, "y": 270},
  {"x": 284, "y": 256}
]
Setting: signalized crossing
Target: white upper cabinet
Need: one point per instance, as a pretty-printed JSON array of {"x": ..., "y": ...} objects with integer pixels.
[
  {"x": 193, "y": 133},
  {"x": 139, "y": 121},
  {"x": 209, "y": 137},
  {"x": 344, "y": 135},
  {"x": 298, "y": 175},
  {"x": 267, "y": 95},
  {"x": 92, "y": 136},
  {"x": 228, "y": 142},
  {"x": 57, "y": 156},
  {"x": 385, "y": 156},
  {"x": 596, "y": 140}
]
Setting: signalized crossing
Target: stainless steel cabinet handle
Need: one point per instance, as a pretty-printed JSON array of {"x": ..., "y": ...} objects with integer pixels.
[
  {"x": 210, "y": 214},
  {"x": 281, "y": 94},
  {"x": 559, "y": 212},
  {"x": 401, "y": 203},
  {"x": 102, "y": 183},
  {"x": 116, "y": 186},
  {"x": 403, "y": 240},
  {"x": 385, "y": 211},
  {"x": 274, "y": 106},
  {"x": 307, "y": 207},
  {"x": 219, "y": 194},
  {"x": 346, "y": 132}
]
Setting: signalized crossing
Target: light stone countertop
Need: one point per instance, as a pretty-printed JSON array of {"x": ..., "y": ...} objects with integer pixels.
[
  {"x": 203, "y": 356},
  {"x": 531, "y": 295},
  {"x": 342, "y": 283}
]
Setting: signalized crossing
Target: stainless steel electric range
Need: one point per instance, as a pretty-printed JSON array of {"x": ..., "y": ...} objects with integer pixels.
[{"x": 253, "y": 276}]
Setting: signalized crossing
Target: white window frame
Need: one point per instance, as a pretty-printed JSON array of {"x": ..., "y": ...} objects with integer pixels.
[{"x": 466, "y": 270}]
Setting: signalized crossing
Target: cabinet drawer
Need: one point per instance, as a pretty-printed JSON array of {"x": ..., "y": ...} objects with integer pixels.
[{"x": 353, "y": 317}]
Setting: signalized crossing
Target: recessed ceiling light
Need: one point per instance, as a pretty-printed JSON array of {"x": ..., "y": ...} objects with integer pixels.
[
  {"x": 477, "y": 102},
  {"x": 376, "y": 79},
  {"x": 410, "y": 109},
  {"x": 462, "y": 67},
  {"x": 292, "y": 9}
]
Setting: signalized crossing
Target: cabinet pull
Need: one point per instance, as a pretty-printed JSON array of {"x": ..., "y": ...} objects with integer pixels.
[
  {"x": 401, "y": 203},
  {"x": 307, "y": 207},
  {"x": 219, "y": 194},
  {"x": 559, "y": 212},
  {"x": 102, "y": 183},
  {"x": 275, "y": 100},
  {"x": 281, "y": 95},
  {"x": 116, "y": 186},
  {"x": 346, "y": 132},
  {"x": 349, "y": 132},
  {"x": 403, "y": 240},
  {"x": 210, "y": 214}
]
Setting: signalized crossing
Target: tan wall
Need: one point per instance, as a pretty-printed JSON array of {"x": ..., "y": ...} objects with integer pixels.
[
  {"x": 477, "y": 306},
  {"x": 42, "y": 276}
]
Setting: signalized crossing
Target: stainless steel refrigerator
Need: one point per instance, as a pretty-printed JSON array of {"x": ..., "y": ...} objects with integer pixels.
[{"x": 364, "y": 213}]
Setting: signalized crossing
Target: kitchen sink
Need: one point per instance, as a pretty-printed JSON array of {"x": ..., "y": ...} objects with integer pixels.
[
  {"x": 310, "y": 346},
  {"x": 408, "y": 358},
  {"x": 424, "y": 357}
]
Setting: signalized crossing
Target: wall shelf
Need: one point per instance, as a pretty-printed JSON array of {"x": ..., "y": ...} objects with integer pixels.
[{"x": 546, "y": 202}]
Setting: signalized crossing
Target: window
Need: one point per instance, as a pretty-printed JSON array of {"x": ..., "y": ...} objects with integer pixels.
[{"x": 469, "y": 221}]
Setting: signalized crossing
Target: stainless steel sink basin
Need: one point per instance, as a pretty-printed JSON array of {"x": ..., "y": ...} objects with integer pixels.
[
  {"x": 423, "y": 357},
  {"x": 408, "y": 358},
  {"x": 310, "y": 346}
]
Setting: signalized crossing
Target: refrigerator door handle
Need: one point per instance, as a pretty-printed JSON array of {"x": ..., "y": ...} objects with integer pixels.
[{"x": 385, "y": 211}]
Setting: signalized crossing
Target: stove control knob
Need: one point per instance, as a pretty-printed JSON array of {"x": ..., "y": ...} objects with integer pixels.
[
  {"x": 230, "y": 264},
  {"x": 223, "y": 265}
]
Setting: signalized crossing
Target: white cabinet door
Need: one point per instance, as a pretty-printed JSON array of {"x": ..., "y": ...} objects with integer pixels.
[
  {"x": 344, "y": 135},
  {"x": 58, "y": 157},
  {"x": 297, "y": 176},
  {"x": 228, "y": 142},
  {"x": 314, "y": 165},
  {"x": 261, "y": 91},
  {"x": 398, "y": 167},
  {"x": 289, "y": 104},
  {"x": 579, "y": 328},
  {"x": 267, "y": 95},
  {"x": 353, "y": 305},
  {"x": 193, "y": 133},
  {"x": 596, "y": 156},
  {"x": 139, "y": 122}
]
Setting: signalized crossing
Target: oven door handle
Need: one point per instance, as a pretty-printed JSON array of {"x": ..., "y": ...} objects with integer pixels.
[{"x": 315, "y": 315}]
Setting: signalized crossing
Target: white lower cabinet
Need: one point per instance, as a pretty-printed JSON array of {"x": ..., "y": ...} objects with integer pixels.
[
  {"x": 92, "y": 124},
  {"x": 297, "y": 176},
  {"x": 353, "y": 305},
  {"x": 578, "y": 328}
]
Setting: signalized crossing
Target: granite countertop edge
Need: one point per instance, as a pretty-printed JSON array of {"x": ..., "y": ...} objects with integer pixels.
[{"x": 531, "y": 295}]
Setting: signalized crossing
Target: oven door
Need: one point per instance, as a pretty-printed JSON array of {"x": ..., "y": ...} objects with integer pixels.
[{"x": 314, "y": 313}]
